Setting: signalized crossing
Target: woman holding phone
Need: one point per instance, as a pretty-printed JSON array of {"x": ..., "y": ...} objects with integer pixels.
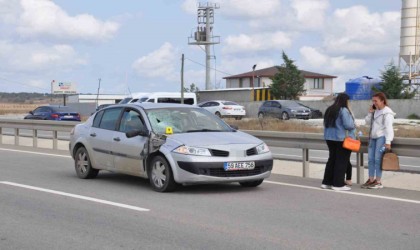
[{"x": 381, "y": 119}]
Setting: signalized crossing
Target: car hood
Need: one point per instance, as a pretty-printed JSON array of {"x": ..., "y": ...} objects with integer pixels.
[{"x": 214, "y": 138}]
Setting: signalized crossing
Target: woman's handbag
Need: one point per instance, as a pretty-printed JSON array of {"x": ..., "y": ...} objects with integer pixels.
[
  {"x": 351, "y": 144},
  {"x": 390, "y": 161}
]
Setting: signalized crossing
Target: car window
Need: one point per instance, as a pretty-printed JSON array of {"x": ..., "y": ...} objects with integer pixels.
[
  {"x": 267, "y": 104},
  {"x": 110, "y": 118},
  {"x": 151, "y": 100},
  {"x": 45, "y": 110},
  {"x": 97, "y": 119},
  {"x": 130, "y": 120},
  {"x": 276, "y": 105},
  {"x": 215, "y": 104},
  {"x": 37, "y": 110},
  {"x": 204, "y": 104}
]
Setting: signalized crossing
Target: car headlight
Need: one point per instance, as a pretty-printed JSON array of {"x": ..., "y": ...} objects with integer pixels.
[
  {"x": 293, "y": 111},
  {"x": 262, "y": 148},
  {"x": 185, "y": 150}
]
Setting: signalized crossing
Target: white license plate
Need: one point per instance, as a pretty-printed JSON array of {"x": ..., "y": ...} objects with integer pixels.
[
  {"x": 68, "y": 116},
  {"x": 230, "y": 166}
]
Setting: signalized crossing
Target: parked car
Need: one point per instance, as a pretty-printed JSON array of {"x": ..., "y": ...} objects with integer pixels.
[
  {"x": 315, "y": 113},
  {"x": 224, "y": 108},
  {"x": 53, "y": 112},
  {"x": 283, "y": 109},
  {"x": 169, "y": 144}
]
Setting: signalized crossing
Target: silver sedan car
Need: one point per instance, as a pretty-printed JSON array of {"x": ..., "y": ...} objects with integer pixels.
[{"x": 170, "y": 144}]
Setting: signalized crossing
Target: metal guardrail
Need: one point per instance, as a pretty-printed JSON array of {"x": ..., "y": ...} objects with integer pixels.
[
  {"x": 35, "y": 126},
  {"x": 305, "y": 141}
]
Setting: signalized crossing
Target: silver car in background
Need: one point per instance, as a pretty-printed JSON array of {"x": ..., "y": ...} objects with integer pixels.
[{"x": 170, "y": 144}]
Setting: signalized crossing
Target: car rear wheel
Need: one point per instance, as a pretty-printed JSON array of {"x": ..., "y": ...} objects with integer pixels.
[
  {"x": 251, "y": 183},
  {"x": 285, "y": 116},
  {"x": 160, "y": 175},
  {"x": 238, "y": 118},
  {"x": 83, "y": 165},
  {"x": 218, "y": 114}
]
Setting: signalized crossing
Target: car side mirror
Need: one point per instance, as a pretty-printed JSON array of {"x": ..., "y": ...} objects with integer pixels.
[
  {"x": 136, "y": 132},
  {"x": 31, "y": 112}
]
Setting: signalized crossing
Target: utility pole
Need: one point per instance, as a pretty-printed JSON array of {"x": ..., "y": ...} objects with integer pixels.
[
  {"x": 203, "y": 35},
  {"x": 97, "y": 95},
  {"x": 182, "y": 79}
]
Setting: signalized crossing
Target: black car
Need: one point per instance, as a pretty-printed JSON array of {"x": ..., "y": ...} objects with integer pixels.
[
  {"x": 315, "y": 113},
  {"x": 53, "y": 112}
]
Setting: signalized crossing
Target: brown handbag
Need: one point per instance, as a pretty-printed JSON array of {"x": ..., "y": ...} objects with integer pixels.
[{"x": 390, "y": 161}]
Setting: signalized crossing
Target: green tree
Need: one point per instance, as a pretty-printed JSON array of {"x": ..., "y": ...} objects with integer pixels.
[
  {"x": 393, "y": 85},
  {"x": 192, "y": 88},
  {"x": 288, "y": 83}
]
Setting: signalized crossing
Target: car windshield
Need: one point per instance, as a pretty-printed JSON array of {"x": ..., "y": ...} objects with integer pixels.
[
  {"x": 63, "y": 109},
  {"x": 125, "y": 100},
  {"x": 185, "y": 120}
]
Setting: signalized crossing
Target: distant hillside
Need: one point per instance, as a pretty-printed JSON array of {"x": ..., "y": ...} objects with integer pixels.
[{"x": 29, "y": 98}]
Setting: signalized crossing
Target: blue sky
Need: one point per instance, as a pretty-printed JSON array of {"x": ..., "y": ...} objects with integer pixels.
[{"x": 137, "y": 45}]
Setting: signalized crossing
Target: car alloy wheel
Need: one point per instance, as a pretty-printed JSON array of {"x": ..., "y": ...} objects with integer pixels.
[
  {"x": 284, "y": 116},
  {"x": 160, "y": 175},
  {"x": 84, "y": 169},
  {"x": 218, "y": 114},
  {"x": 261, "y": 115}
]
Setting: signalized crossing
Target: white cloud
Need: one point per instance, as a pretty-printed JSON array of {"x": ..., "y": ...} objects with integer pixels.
[
  {"x": 357, "y": 31},
  {"x": 242, "y": 9},
  {"x": 159, "y": 63},
  {"x": 329, "y": 65},
  {"x": 310, "y": 13},
  {"x": 36, "y": 57},
  {"x": 43, "y": 18},
  {"x": 257, "y": 42}
]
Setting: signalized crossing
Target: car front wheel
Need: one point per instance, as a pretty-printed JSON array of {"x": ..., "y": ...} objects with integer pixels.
[
  {"x": 160, "y": 175},
  {"x": 251, "y": 183},
  {"x": 261, "y": 115},
  {"x": 285, "y": 116},
  {"x": 83, "y": 165}
]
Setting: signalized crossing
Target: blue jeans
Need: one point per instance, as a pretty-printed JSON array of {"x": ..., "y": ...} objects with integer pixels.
[{"x": 375, "y": 156}]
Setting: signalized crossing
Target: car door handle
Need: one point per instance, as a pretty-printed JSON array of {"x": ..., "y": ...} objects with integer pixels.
[
  {"x": 93, "y": 134},
  {"x": 117, "y": 139}
]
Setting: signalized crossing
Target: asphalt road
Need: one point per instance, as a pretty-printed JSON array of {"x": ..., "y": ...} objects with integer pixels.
[{"x": 45, "y": 206}]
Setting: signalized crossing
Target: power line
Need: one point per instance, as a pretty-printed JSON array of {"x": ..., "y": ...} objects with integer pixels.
[
  {"x": 26, "y": 85},
  {"x": 210, "y": 67}
]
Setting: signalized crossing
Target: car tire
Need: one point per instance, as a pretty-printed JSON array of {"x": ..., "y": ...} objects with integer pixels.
[
  {"x": 160, "y": 175},
  {"x": 251, "y": 183},
  {"x": 83, "y": 165},
  {"x": 238, "y": 118},
  {"x": 285, "y": 116},
  {"x": 261, "y": 115},
  {"x": 218, "y": 114}
]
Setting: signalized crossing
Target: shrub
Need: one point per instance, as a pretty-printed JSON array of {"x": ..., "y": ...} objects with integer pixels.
[{"x": 413, "y": 116}]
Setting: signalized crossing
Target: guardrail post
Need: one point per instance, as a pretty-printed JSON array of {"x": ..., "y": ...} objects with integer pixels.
[
  {"x": 360, "y": 168},
  {"x": 55, "y": 136},
  {"x": 35, "y": 138},
  {"x": 1, "y": 135},
  {"x": 305, "y": 162},
  {"x": 16, "y": 136}
]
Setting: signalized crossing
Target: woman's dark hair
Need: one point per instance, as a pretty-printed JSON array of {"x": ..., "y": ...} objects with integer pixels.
[
  {"x": 333, "y": 111},
  {"x": 381, "y": 97}
]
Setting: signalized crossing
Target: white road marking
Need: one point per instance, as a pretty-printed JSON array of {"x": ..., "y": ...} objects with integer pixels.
[
  {"x": 115, "y": 204},
  {"x": 35, "y": 153},
  {"x": 343, "y": 192}
]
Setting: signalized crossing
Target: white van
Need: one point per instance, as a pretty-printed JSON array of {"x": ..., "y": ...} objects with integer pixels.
[
  {"x": 134, "y": 97},
  {"x": 169, "y": 97}
]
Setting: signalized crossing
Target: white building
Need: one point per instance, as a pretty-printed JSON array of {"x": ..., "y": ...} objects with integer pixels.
[{"x": 317, "y": 85}]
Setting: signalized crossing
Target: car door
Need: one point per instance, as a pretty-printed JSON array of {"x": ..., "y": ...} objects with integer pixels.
[
  {"x": 101, "y": 137},
  {"x": 276, "y": 109},
  {"x": 130, "y": 152}
]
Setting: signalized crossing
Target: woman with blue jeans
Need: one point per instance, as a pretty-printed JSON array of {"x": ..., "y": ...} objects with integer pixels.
[
  {"x": 381, "y": 118},
  {"x": 338, "y": 123}
]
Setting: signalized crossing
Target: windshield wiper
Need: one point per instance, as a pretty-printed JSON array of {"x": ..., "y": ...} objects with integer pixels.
[{"x": 204, "y": 130}]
